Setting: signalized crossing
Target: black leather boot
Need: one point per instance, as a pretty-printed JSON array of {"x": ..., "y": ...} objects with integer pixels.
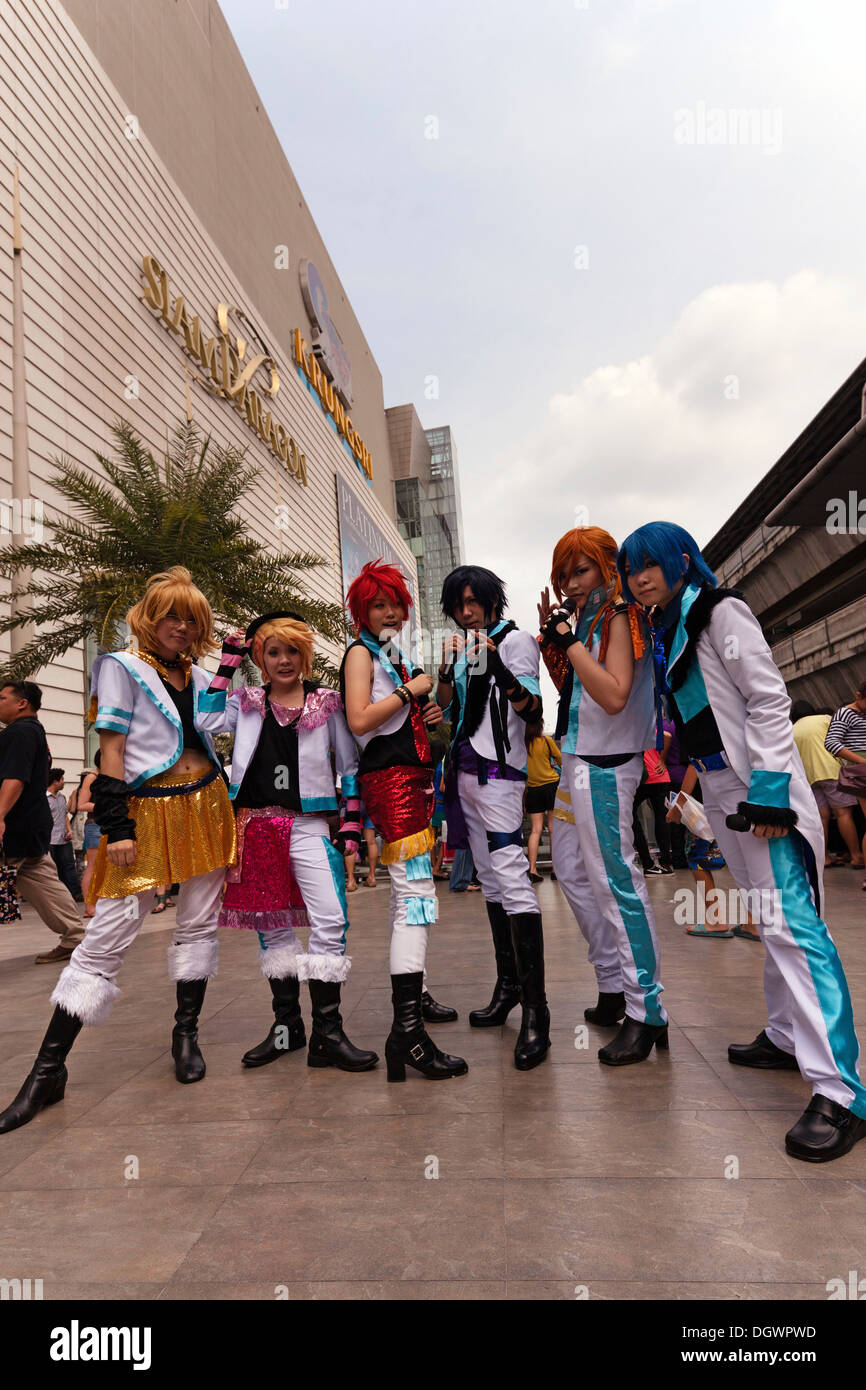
[
  {"x": 506, "y": 993},
  {"x": 533, "y": 1040},
  {"x": 409, "y": 1044},
  {"x": 762, "y": 1053},
  {"x": 432, "y": 1012},
  {"x": 46, "y": 1083},
  {"x": 287, "y": 1033},
  {"x": 824, "y": 1131},
  {"x": 634, "y": 1042},
  {"x": 607, "y": 1012},
  {"x": 329, "y": 1046},
  {"x": 188, "y": 1062}
]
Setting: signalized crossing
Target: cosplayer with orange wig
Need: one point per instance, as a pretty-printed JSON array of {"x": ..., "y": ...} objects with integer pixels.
[
  {"x": 160, "y": 801},
  {"x": 289, "y": 875},
  {"x": 388, "y": 712},
  {"x": 599, "y": 652}
]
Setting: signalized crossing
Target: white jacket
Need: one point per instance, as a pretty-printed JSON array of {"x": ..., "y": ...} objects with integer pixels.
[
  {"x": 321, "y": 727},
  {"x": 520, "y": 653},
  {"x": 132, "y": 700},
  {"x": 746, "y": 693}
]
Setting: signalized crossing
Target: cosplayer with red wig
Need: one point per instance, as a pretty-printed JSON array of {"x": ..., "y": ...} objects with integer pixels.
[{"x": 388, "y": 712}]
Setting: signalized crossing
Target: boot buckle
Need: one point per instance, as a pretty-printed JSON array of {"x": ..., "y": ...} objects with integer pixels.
[{"x": 417, "y": 1052}]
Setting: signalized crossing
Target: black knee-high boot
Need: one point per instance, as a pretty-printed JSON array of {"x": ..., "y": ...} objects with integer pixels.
[
  {"x": 329, "y": 1046},
  {"x": 287, "y": 1016},
  {"x": 188, "y": 1062},
  {"x": 533, "y": 1042},
  {"x": 409, "y": 1044},
  {"x": 506, "y": 992},
  {"x": 46, "y": 1083}
]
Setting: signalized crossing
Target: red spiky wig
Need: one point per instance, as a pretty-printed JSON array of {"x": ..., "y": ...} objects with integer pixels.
[{"x": 375, "y": 576}]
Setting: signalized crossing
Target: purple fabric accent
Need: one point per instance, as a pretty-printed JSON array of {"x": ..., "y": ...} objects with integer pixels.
[
  {"x": 467, "y": 761},
  {"x": 458, "y": 833},
  {"x": 276, "y": 920},
  {"x": 317, "y": 709},
  {"x": 674, "y": 762}
]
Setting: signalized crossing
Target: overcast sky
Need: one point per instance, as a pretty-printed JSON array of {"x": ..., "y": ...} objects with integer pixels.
[{"x": 633, "y": 301}]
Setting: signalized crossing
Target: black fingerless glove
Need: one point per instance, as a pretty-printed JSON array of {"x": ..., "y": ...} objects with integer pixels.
[
  {"x": 110, "y": 808},
  {"x": 550, "y": 632},
  {"x": 498, "y": 670}
]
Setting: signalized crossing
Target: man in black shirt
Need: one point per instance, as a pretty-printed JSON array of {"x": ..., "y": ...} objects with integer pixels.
[{"x": 25, "y": 817}]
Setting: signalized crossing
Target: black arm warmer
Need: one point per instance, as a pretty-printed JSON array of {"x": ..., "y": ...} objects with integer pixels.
[{"x": 110, "y": 797}]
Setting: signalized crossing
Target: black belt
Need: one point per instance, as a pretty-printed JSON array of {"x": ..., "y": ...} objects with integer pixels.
[{"x": 182, "y": 789}]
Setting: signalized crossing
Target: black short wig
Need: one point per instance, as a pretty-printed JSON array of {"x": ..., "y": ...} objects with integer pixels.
[{"x": 487, "y": 587}]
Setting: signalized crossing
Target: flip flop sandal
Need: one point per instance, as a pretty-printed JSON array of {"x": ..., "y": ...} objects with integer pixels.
[
  {"x": 701, "y": 929},
  {"x": 746, "y": 935}
]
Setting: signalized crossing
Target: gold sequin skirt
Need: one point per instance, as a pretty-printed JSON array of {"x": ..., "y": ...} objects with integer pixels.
[{"x": 178, "y": 836}]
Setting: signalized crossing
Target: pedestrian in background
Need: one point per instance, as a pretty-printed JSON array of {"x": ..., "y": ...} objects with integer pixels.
[
  {"x": 846, "y": 740},
  {"x": 823, "y": 769},
  {"x": 543, "y": 764},
  {"x": 61, "y": 849},
  {"x": 25, "y": 817}
]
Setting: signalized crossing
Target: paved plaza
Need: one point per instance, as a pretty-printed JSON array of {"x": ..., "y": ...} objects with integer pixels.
[{"x": 574, "y": 1180}]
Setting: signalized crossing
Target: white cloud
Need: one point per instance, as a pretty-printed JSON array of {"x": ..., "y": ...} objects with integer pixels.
[{"x": 659, "y": 438}]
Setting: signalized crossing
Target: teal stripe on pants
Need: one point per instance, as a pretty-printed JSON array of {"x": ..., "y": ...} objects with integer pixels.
[
  {"x": 811, "y": 935},
  {"x": 606, "y": 814}
]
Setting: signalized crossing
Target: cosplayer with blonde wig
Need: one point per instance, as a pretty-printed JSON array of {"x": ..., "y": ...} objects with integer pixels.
[
  {"x": 598, "y": 650},
  {"x": 289, "y": 875},
  {"x": 388, "y": 711},
  {"x": 160, "y": 801}
]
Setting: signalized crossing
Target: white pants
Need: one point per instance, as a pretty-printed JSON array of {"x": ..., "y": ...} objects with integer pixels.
[
  {"x": 602, "y": 801},
  {"x": 320, "y": 872},
  {"x": 575, "y": 883},
  {"x": 413, "y": 907},
  {"x": 87, "y": 988},
  {"x": 494, "y": 816},
  {"x": 807, "y": 993}
]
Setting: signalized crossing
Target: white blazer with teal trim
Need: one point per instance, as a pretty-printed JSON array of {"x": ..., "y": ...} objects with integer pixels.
[
  {"x": 132, "y": 700},
  {"x": 321, "y": 727},
  {"x": 520, "y": 653},
  {"x": 751, "y": 706}
]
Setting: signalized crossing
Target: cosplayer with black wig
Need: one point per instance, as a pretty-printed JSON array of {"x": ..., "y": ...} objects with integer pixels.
[
  {"x": 388, "y": 712},
  {"x": 489, "y": 679},
  {"x": 731, "y": 709}
]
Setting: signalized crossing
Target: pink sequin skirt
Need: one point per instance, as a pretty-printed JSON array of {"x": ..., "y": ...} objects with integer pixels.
[{"x": 261, "y": 892}]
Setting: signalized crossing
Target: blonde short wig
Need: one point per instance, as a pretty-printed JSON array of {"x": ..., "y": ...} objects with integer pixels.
[
  {"x": 288, "y": 630},
  {"x": 172, "y": 592}
]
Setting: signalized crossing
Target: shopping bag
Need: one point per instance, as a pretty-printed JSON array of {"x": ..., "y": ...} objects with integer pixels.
[
  {"x": 9, "y": 909},
  {"x": 694, "y": 817}
]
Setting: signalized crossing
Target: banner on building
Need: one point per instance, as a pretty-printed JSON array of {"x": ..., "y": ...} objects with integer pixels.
[{"x": 363, "y": 540}]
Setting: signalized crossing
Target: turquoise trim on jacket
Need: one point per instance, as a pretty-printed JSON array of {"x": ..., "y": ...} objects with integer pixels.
[
  {"x": 318, "y": 803},
  {"x": 114, "y": 725},
  {"x": 350, "y": 787},
  {"x": 115, "y": 709},
  {"x": 530, "y": 683},
  {"x": 212, "y": 701},
  {"x": 770, "y": 789}
]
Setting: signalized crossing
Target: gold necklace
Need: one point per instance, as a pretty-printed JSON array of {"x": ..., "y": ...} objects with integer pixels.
[{"x": 185, "y": 664}]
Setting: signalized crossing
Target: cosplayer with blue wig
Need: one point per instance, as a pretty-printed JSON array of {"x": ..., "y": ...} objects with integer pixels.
[
  {"x": 731, "y": 709},
  {"x": 388, "y": 712},
  {"x": 603, "y": 667},
  {"x": 489, "y": 678}
]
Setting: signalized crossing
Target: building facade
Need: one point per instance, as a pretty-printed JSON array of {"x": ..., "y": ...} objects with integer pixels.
[
  {"x": 796, "y": 548},
  {"x": 159, "y": 264},
  {"x": 427, "y": 502}
]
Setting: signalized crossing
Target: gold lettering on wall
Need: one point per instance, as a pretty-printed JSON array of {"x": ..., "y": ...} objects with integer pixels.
[{"x": 226, "y": 369}]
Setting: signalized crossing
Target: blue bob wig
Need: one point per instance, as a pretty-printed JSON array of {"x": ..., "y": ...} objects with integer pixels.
[{"x": 663, "y": 543}]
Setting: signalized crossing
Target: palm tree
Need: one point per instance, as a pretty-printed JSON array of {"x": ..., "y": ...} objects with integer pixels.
[{"x": 147, "y": 516}]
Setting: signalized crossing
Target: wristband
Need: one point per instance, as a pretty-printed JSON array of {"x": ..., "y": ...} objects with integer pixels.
[
  {"x": 110, "y": 796},
  {"x": 446, "y": 675},
  {"x": 405, "y": 695}
]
